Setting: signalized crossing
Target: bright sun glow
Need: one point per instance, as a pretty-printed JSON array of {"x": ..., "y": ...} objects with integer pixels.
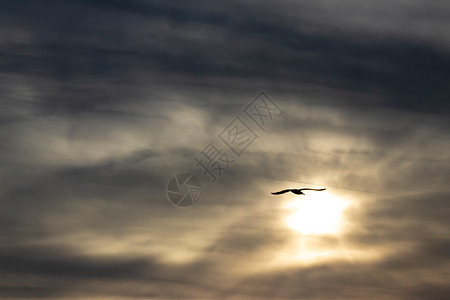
[{"x": 316, "y": 213}]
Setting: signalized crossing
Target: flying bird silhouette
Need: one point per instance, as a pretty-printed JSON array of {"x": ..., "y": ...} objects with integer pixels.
[{"x": 297, "y": 191}]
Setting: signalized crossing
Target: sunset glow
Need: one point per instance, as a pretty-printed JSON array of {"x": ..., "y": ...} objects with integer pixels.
[{"x": 316, "y": 213}]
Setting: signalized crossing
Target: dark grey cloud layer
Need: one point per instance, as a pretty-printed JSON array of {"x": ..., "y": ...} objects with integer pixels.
[
  {"x": 80, "y": 52},
  {"x": 101, "y": 102}
]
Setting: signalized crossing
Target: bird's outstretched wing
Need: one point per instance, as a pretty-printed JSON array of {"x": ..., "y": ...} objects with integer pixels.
[
  {"x": 309, "y": 189},
  {"x": 281, "y": 192}
]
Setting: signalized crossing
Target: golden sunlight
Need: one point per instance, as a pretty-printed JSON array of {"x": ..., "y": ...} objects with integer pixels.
[{"x": 316, "y": 213}]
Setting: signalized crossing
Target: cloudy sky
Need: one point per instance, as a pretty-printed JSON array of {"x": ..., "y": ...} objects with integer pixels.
[{"x": 103, "y": 102}]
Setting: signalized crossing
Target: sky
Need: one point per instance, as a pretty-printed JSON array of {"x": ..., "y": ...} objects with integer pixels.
[{"x": 104, "y": 105}]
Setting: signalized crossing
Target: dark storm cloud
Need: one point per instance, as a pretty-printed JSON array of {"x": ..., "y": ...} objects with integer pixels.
[
  {"x": 58, "y": 272},
  {"x": 114, "y": 43},
  {"x": 41, "y": 189}
]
